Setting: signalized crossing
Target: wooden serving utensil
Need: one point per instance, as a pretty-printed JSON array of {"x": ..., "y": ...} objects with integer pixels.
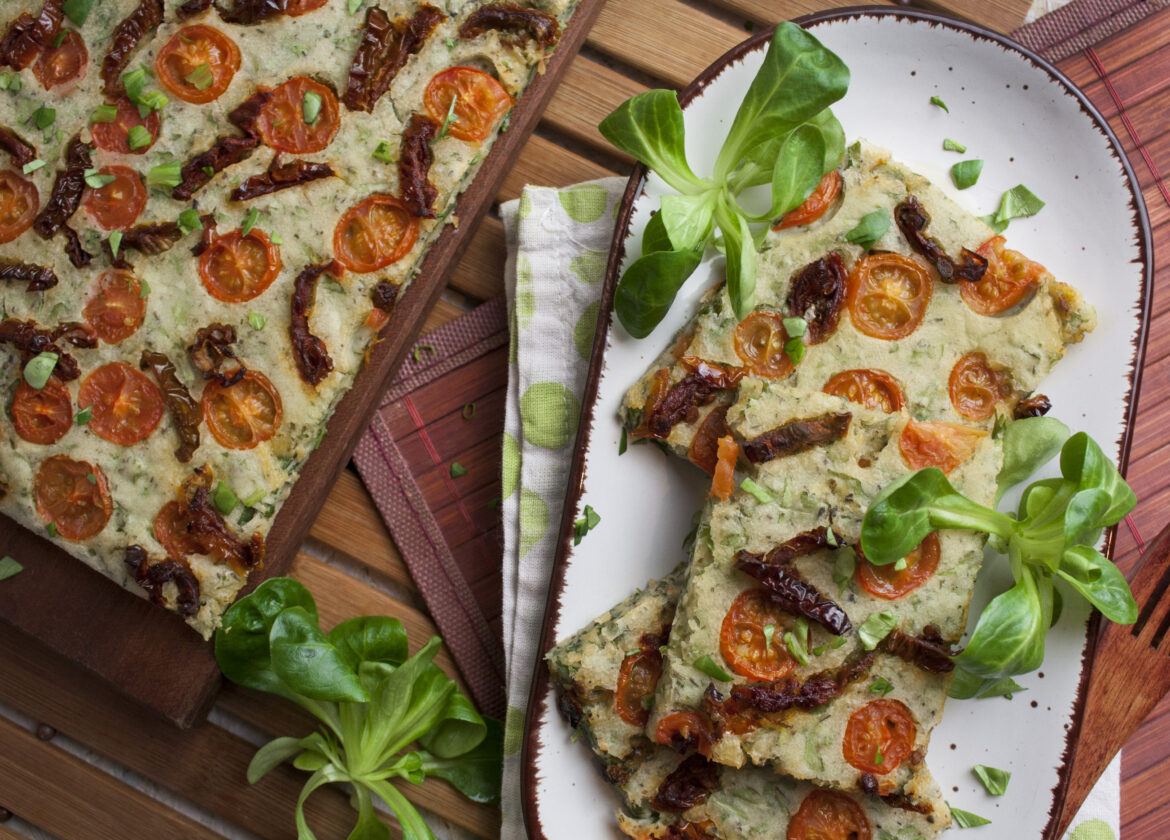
[{"x": 1130, "y": 675}]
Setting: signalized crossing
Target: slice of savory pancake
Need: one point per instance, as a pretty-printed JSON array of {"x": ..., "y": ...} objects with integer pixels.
[
  {"x": 605, "y": 671},
  {"x": 883, "y": 325},
  {"x": 837, "y": 670}
]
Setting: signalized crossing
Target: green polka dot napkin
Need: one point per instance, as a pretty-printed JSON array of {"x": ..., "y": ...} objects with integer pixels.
[{"x": 558, "y": 242}]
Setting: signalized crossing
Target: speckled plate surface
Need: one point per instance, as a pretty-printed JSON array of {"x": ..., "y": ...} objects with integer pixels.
[{"x": 1030, "y": 125}]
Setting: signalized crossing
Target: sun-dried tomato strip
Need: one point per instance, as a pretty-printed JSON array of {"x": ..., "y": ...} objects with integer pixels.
[
  {"x": 687, "y": 786},
  {"x": 672, "y": 404},
  {"x": 183, "y": 409},
  {"x": 38, "y": 277},
  {"x": 150, "y": 238},
  {"x": 27, "y": 36},
  {"x": 248, "y": 12},
  {"x": 927, "y": 651},
  {"x": 1036, "y": 405},
  {"x": 816, "y": 294},
  {"x": 281, "y": 176},
  {"x": 29, "y": 340},
  {"x": 414, "y": 166},
  {"x": 769, "y": 698},
  {"x": 212, "y": 349},
  {"x": 801, "y": 545},
  {"x": 912, "y": 219},
  {"x": 209, "y": 531},
  {"x": 151, "y": 576},
  {"x": 514, "y": 20},
  {"x": 313, "y": 361},
  {"x": 383, "y": 50},
  {"x": 226, "y": 151},
  {"x": 720, "y": 377},
  {"x": 124, "y": 40},
  {"x": 207, "y": 237},
  {"x": 191, "y": 8},
  {"x": 66, "y": 196},
  {"x": 797, "y": 436},
  {"x": 795, "y": 594},
  {"x": 78, "y": 256},
  {"x": 21, "y": 151},
  {"x": 384, "y": 295},
  {"x": 903, "y": 802}
]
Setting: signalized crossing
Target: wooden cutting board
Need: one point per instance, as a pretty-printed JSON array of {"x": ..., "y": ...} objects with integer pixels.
[{"x": 151, "y": 655}]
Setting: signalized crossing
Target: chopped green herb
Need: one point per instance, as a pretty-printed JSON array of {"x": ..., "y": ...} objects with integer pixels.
[
  {"x": 819, "y": 649},
  {"x": 17, "y": 84},
  {"x": 39, "y": 369},
  {"x": 104, "y": 114},
  {"x": 994, "y": 779},
  {"x": 844, "y": 565},
  {"x": 769, "y": 635},
  {"x": 953, "y": 146},
  {"x": 794, "y": 347},
  {"x": 189, "y": 221},
  {"x": 708, "y": 666},
  {"x": 623, "y": 442},
  {"x": 52, "y": 529},
  {"x": 812, "y": 753},
  {"x": 450, "y": 118},
  {"x": 457, "y": 469},
  {"x": 5, "y": 80},
  {"x": 96, "y": 180},
  {"x": 1017, "y": 202},
  {"x": 382, "y": 152},
  {"x": 201, "y": 77},
  {"x": 881, "y": 686},
  {"x": 633, "y": 652},
  {"x": 249, "y": 221},
  {"x": 756, "y": 491},
  {"x": 91, "y": 478},
  {"x": 965, "y": 819},
  {"x": 276, "y": 238},
  {"x": 145, "y": 290},
  {"x": 354, "y": 5},
  {"x": 84, "y": 416},
  {"x": 585, "y": 524},
  {"x": 900, "y": 564},
  {"x": 310, "y": 107},
  {"x": 209, "y": 171},
  {"x": 77, "y": 10},
  {"x": 877, "y": 755},
  {"x": 32, "y": 166},
  {"x": 831, "y": 538},
  {"x": 9, "y": 567},
  {"x": 875, "y": 628},
  {"x": 417, "y": 354},
  {"x": 468, "y": 411},
  {"x": 838, "y": 641},
  {"x": 254, "y": 498},
  {"x": 966, "y": 172},
  {"x": 60, "y": 39},
  {"x": 135, "y": 84},
  {"x": 44, "y": 117},
  {"x": 138, "y": 137},
  {"x": 870, "y": 229},
  {"x": 115, "y": 240},
  {"x": 225, "y": 498},
  {"x": 795, "y": 327},
  {"x": 796, "y": 648},
  {"x": 257, "y": 321},
  {"x": 934, "y": 100},
  {"x": 165, "y": 174}
]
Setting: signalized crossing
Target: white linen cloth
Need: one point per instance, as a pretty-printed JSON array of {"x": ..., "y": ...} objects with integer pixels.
[{"x": 558, "y": 241}]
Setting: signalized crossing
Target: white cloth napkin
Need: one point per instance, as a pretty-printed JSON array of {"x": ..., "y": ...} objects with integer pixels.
[{"x": 558, "y": 242}]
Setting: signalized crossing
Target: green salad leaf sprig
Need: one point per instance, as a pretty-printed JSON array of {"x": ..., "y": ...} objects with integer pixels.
[
  {"x": 783, "y": 135},
  {"x": 374, "y": 702},
  {"x": 1050, "y": 537}
]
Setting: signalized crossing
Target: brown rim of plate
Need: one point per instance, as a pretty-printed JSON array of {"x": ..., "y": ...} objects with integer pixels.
[{"x": 540, "y": 682}]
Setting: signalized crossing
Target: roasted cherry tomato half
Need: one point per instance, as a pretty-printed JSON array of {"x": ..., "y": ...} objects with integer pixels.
[
  {"x": 879, "y": 736},
  {"x": 684, "y": 731},
  {"x": 244, "y": 414},
  {"x": 302, "y": 117},
  {"x": 116, "y": 205},
  {"x": 743, "y": 638},
  {"x": 870, "y": 387},
  {"x": 942, "y": 445},
  {"x": 759, "y": 341},
  {"x": 73, "y": 496},
  {"x": 829, "y": 815},
  {"x": 637, "y": 680},
  {"x": 197, "y": 64},
  {"x": 890, "y": 583},
  {"x": 116, "y": 306},
  {"x": 64, "y": 63},
  {"x": 115, "y": 136},
  {"x": 704, "y": 448},
  {"x": 480, "y": 102},
  {"x": 976, "y": 388},
  {"x": 888, "y": 295},
  {"x": 18, "y": 205},
  {"x": 237, "y": 267},
  {"x": 42, "y": 416},
  {"x": 374, "y": 233},
  {"x": 126, "y": 405},
  {"x": 1009, "y": 279},
  {"x": 818, "y": 201}
]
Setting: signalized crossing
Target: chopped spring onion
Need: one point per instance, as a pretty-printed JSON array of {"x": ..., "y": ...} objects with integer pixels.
[
  {"x": 40, "y": 368},
  {"x": 96, "y": 180},
  {"x": 200, "y": 78},
  {"x": 249, "y": 221},
  {"x": 310, "y": 107},
  {"x": 167, "y": 174}
]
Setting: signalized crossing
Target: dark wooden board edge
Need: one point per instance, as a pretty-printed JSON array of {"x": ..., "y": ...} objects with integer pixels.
[
  {"x": 540, "y": 682},
  {"x": 152, "y": 656}
]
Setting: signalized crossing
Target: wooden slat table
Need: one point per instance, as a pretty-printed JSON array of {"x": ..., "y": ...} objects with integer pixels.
[{"x": 77, "y": 762}]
